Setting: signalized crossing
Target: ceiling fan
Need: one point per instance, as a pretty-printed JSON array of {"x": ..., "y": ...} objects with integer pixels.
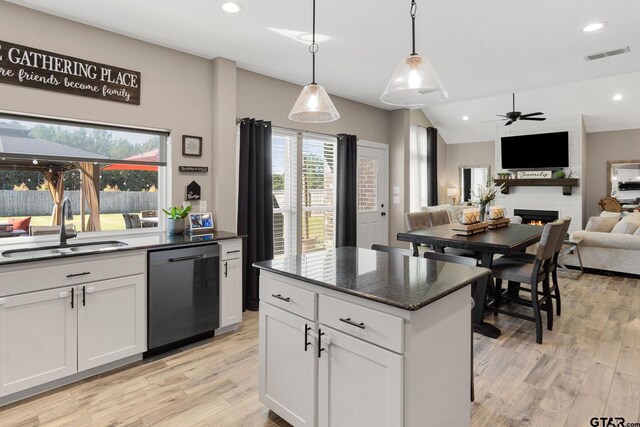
[{"x": 514, "y": 115}]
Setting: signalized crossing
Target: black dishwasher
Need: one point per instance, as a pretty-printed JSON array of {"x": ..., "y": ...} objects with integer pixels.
[{"x": 183, "y": 296}]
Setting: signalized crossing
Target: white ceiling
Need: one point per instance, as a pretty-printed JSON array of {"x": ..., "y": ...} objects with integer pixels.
[{"x": 482, "y": 50}]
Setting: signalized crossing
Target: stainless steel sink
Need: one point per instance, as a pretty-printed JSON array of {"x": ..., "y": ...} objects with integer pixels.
[{"x": 72, "y": 248}]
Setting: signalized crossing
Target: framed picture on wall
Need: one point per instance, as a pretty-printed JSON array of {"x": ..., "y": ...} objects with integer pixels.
[{"x": 191, "y": 145}]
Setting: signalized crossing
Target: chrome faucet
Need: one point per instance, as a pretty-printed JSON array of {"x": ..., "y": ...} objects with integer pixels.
[{"x": 66, "y": 213}]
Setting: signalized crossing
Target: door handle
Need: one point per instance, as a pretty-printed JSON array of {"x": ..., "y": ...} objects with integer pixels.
[
  {"x": 226, "y": 269},
  {"x": 383, "y": 214},
  {"x": 307, "y": 328}
]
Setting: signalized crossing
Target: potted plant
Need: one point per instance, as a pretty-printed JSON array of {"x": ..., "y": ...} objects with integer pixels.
[
  {"x": 485, "y": 195},
  {"x": 175, "y": 218}
]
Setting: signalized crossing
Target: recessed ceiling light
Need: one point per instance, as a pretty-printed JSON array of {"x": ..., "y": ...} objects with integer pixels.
[
  {"x": 595, "y": 26},
  {"x": 617, "y": 97},
  {"x": 232, "y": 7},
  {"x": 307, "y": 38},
  {"x": 465, "y": 118}
]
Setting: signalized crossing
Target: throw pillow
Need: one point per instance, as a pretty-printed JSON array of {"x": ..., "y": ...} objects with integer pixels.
[
  {"x": 611, "y": 214},
  {"x": 627, "y": 225},
  {"x": 603, "y": 224},
  {"x": 21, "y": 223}
]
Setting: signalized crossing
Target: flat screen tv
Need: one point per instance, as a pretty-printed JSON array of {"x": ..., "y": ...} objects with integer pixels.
[{"x": 537, "y": 151}]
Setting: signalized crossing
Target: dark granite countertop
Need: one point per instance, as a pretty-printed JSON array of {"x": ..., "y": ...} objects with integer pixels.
[
  {"x": 134, "y": 241},
  {"x": 409, "y": 283}
]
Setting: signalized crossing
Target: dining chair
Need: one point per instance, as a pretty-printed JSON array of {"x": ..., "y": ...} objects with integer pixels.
[
  {"x": 392, "y": 250},
  {"x": 417, "y": 221},
  {"x": 553, "y": 267},
  {"x": 463, "y": 260},
  {"x": 439, "y": 217},
  {"x": 131, "y": 221},
  {"x": 533, "y": 274}
]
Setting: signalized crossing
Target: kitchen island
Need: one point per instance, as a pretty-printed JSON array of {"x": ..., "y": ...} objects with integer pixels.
[{"x": 355, "y": 337}]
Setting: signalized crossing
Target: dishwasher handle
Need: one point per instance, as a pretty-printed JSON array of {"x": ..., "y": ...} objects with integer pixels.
[{"x": 187, "y": 258}]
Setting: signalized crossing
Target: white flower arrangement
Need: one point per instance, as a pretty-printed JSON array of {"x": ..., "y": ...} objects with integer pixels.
[{"x": 486, "y": 193}]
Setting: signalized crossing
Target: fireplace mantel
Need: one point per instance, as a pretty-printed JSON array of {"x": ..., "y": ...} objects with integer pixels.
[{"x": 565, "y": 183}]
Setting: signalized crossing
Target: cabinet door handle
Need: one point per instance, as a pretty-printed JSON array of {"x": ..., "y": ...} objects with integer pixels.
[
  {"x": 233, "y": 252},
  {"x": 84, "y": 273},
  {"x": 352, "y": 323},
  {"x": 280, "y": 297},
  {"x": 73, "y": 294},
  {"x": 320, "y": 348},
  {"x": 307, "y": 328},
  {"x": 84, "y": 296},
  {"x": 226, "y": 269},
  {"x": 63, "y": 294}
]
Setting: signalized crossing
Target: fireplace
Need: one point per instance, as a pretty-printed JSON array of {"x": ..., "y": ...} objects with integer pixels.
[{"x": 536, "y": 217}]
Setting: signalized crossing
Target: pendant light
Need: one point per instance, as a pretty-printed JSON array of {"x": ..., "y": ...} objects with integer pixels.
[
  {"x": 313, "y": 104},
  {"x": 414, "y": 83}
]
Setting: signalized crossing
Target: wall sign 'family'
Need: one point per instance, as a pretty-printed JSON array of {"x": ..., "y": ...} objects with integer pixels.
[{"x": 39, "y": 69}]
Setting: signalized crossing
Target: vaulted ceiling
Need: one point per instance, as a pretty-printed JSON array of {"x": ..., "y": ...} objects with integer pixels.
[{"x": 482, "y": 50}]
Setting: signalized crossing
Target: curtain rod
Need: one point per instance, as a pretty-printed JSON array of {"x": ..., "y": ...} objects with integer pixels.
[{"x": 238, "y": 120}]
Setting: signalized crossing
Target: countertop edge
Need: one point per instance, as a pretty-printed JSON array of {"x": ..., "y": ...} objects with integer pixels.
[{"x": 408, "y": 307}]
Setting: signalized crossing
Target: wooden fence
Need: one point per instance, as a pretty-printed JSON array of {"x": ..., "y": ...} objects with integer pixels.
[{"x": 37, "y": 203}]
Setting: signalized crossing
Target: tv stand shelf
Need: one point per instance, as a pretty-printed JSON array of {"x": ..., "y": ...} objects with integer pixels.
[{"x": 565, "y": 183}]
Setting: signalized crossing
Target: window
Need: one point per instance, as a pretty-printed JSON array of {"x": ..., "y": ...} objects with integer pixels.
[
  {"x": 418, "y": 166},
  {"x": 105, "y": 171},
  {"x": 304, "y": 192}
]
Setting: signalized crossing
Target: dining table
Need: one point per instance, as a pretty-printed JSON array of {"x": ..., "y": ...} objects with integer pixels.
[{"x": 504, "y": 241}]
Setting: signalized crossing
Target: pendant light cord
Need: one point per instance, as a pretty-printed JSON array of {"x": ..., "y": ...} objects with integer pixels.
[
  {"x": 313, "y": 48},
  {"x": 412, "y": 12}
]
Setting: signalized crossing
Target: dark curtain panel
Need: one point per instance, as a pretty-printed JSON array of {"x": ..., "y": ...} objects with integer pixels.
[
  {"x": 432, "y": 166},
  {"x": 347, "y": 191},
  {"x": 255, "y": 202}
]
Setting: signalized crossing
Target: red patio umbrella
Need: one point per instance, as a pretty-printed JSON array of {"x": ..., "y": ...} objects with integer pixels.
[{"x": 150, "y": 156}]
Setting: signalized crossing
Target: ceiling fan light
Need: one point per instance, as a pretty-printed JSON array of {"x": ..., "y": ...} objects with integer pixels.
[
  {"x": 414, "y": 83},
  {"x": 313, "y": 106}
]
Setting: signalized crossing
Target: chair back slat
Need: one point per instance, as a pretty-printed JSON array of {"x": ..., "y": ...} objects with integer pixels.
[
  {"x": 439, "y": 217},
  {"x": 547, "y": 245},
  {"x": 417, "y": 220}
]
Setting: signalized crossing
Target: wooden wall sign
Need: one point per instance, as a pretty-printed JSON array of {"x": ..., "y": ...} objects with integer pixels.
[
  {"x": 193, "y": 191},
  {"x": 39, "y": 69},
  {"x": 533, "y": 174},
  {"x": 199, "y": 169}
]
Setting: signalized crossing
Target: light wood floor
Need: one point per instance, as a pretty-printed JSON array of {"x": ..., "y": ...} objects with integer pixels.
[{"x": 588, "y": 366}]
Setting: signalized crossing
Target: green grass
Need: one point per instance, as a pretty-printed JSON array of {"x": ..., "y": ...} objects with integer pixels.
[{"x": 107, "y": 221}]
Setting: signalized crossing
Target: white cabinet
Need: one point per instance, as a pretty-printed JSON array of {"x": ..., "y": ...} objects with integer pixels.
[
  {"x": 49, "y": 334},
  {"x": 358, "y": 383},
  {"x": 37, "y": 339},
  {"x": 111, "y": 320},
  {"x": 230, "y": 282},
  {"x": 288, "y": 365},
  {"x": 374, "y": 365}
]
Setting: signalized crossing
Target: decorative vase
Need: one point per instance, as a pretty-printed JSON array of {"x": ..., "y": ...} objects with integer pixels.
[
  {"x": 483, "y": 211},
  {"x": 175, "y": 226}
]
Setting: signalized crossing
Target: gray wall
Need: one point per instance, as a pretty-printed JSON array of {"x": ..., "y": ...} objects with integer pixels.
[
  {"x": 175, "y": 87},
  {"x": 603, "y": 146}
]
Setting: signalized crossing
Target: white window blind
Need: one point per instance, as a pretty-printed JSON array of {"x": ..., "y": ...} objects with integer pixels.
[
  {"x": 418, "y": 164},
  {"x": 304, "y": 192}
]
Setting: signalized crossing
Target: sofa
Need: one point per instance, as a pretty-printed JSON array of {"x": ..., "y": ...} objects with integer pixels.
[
  {"x": 456, "y": 210},
  {"x": 610, "y": 242}
]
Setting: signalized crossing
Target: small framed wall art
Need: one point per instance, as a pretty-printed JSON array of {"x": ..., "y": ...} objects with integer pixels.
[{"x": 191, "y": 145}]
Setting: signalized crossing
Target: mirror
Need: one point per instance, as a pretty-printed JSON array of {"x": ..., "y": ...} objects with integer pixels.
[
  {"x": 470, "y": 178},
  {"x": 623, "y": 180}
]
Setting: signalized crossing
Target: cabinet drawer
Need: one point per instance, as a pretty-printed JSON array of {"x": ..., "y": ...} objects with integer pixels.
[
  {"x": 40, "y": 275},
  {"x": 230, "y": 250},
  {"x": 288, "y": 297},
  {"x": 373, "y": 326}
]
